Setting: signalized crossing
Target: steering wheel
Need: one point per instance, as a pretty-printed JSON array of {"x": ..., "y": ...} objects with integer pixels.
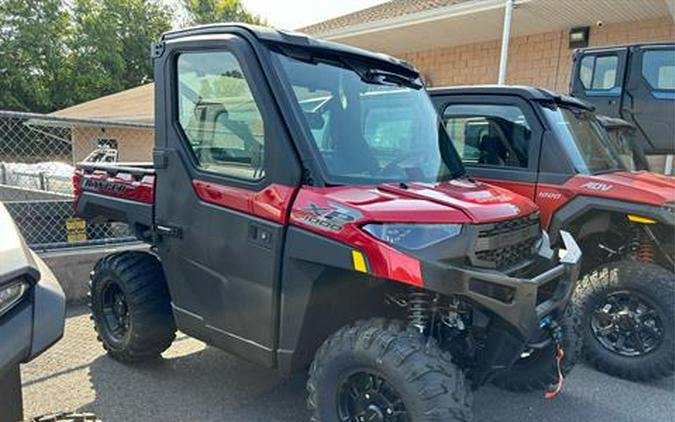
[{"x": 388, "y": 170}]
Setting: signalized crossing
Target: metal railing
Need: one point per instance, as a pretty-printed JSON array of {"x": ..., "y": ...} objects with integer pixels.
[{"x": 37, "y": 159}]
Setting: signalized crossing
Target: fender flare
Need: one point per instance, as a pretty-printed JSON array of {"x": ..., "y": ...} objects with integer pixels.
[{"x": 581, "y": 205}]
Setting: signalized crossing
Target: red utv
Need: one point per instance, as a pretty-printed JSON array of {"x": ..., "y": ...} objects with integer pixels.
[
  {"x": 305, "y": 209},
  {"x": 552, "y": 149}
]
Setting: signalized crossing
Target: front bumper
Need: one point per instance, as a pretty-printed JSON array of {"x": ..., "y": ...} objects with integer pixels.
[
  {"x": 519, "y": 301},
  {"x": 36, "y": 322},
  {"x": 516, "y": 304}
]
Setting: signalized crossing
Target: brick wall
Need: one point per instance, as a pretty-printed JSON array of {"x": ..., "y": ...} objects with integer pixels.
[{"x": 540, "y": 59}]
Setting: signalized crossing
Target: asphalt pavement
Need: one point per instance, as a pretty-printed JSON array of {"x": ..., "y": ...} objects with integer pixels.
[{"x": 198, "y": 383}]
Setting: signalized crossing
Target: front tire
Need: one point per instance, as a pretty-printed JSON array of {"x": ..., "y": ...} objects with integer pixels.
[
  {"x": 538, "y": 370},
  {"x": 381, "y": 370},
  {"x": 627, "y": 318},
  {"x": 131, "y": 306}
]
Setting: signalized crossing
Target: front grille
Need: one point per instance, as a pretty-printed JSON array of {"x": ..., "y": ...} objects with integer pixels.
[{"x": 507, "y": 243}]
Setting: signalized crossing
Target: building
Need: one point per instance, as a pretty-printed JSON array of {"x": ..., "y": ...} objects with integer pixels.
[
  {"x": 123, "y": 121},
  {"x": 457, "y": 42}
]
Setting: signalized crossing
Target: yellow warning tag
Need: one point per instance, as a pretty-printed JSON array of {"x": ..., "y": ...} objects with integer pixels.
[{"x": 76, "y": 229}]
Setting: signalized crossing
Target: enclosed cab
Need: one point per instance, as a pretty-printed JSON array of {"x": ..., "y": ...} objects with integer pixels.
[
  {"x": 554, "y": 150},
  {"x": 307, "y": 208},
  {"x": 633, "y": 82}
]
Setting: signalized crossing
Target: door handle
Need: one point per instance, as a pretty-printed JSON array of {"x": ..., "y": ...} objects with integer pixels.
[
  {"x": 168, "y": 231},
  {"x": 259, "y": 235}
]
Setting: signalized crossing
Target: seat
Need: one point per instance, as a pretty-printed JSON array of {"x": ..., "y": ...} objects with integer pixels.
[{"x": 492, "y": 151}]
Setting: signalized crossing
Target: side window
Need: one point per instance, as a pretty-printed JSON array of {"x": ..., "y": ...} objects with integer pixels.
[
  {"x": 658, "y": 68},
  {"x": 497, "y": 135},
  {"x": 219, "y": 115},
  {"x": 598, "y": 72}
]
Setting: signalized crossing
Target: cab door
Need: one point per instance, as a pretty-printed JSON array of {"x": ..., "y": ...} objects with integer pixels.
[
  {"x": 497, "y": 137},
  {"x": 650, "y": 97},
  {"x": 225, "y": 179}
]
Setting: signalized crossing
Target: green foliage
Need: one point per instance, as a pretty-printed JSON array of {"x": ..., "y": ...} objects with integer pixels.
[
  {"x": 33, "y": 54},
  {"x": 111, "y": 45},
  {"x": 213, "y": 11},
  {"x": 54, "y": 54},
  {"x": 51, "y": 57}
]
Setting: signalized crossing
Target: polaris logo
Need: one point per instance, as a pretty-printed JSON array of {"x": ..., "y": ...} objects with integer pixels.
[
  {"x": 514, "y": 208},
  {"x": 603, "y": 187}
]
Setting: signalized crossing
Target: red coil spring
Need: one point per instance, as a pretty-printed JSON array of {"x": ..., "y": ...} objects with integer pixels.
[{"x": 645, "y": 251}]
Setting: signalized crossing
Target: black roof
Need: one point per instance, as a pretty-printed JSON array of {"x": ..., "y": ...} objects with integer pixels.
[
  {"x": 292, "y": 38},
  {"x": 529, "y": 93},
  {"x": 637, "y": 45}
]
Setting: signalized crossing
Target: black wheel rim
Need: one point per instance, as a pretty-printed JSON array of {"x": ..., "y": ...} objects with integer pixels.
[
  {"x": 115, "y": 311},
  {"x": 365, "y": 396},
  {"x": 627, "y": 324}
]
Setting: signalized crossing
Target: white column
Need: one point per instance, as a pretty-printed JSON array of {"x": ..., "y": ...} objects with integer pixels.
[
  {"x": 506, "y": 34},
  {"x": 669, "y": 165}
]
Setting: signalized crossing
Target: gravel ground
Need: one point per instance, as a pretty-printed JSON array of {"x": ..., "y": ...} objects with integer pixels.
[{"x": 199, "y": 383}]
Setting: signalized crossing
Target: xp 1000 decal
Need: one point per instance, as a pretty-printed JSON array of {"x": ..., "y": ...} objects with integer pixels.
[{"x": 330, "y": 217}]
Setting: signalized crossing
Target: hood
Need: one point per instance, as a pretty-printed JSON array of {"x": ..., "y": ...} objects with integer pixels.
[
  {"x": 641, "y": 187},
  {"x": 455, "y": 201}
]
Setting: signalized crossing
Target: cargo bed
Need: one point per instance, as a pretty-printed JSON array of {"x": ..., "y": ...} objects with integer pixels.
[{"x": 122, "y": 192}]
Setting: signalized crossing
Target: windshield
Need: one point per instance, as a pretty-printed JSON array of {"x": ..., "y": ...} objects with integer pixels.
[
  {"x": 622, "y": 140},
  {"x": 370, "y": 126},
  {"x": 584, "y": 140}
]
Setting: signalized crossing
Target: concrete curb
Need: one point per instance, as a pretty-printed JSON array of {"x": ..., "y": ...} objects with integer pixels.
[{"x": 72, "y": 266}]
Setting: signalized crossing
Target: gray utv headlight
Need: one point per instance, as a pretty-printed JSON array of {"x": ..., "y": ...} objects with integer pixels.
[
  {"x": 413, "y": 236},
  {"x": 11, "y": 293}
]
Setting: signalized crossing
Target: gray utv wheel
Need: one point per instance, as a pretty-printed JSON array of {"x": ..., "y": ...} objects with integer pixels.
[
  {"x": 537, "y": 369},
  {"x": 131, "y": 307},
  {"x": 379, "y": 370},
  {"x": 626, "y": 310}
]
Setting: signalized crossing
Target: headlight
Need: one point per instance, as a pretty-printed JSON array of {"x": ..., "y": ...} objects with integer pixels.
[
  {"x": 11, "y": 294},
  {"x": 412, "y": 236}
]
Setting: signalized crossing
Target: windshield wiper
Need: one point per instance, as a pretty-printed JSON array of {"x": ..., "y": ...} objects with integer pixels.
[{"x": 383, "y": 77}]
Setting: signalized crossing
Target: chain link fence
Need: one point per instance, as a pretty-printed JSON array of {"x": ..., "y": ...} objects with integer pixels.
[{"x": 38, "y": 154}]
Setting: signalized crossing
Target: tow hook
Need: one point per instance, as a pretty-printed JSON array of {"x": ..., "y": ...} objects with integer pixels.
[{"x": 556, "y": 333}]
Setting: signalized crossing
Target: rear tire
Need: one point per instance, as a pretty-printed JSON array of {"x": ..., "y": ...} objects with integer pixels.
[
  {"x": 538, "y": 371},
  {"x": 614, "y": 286},
  {"x": 413, "y": 377},
  {"x": 131, "y": 306}
]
